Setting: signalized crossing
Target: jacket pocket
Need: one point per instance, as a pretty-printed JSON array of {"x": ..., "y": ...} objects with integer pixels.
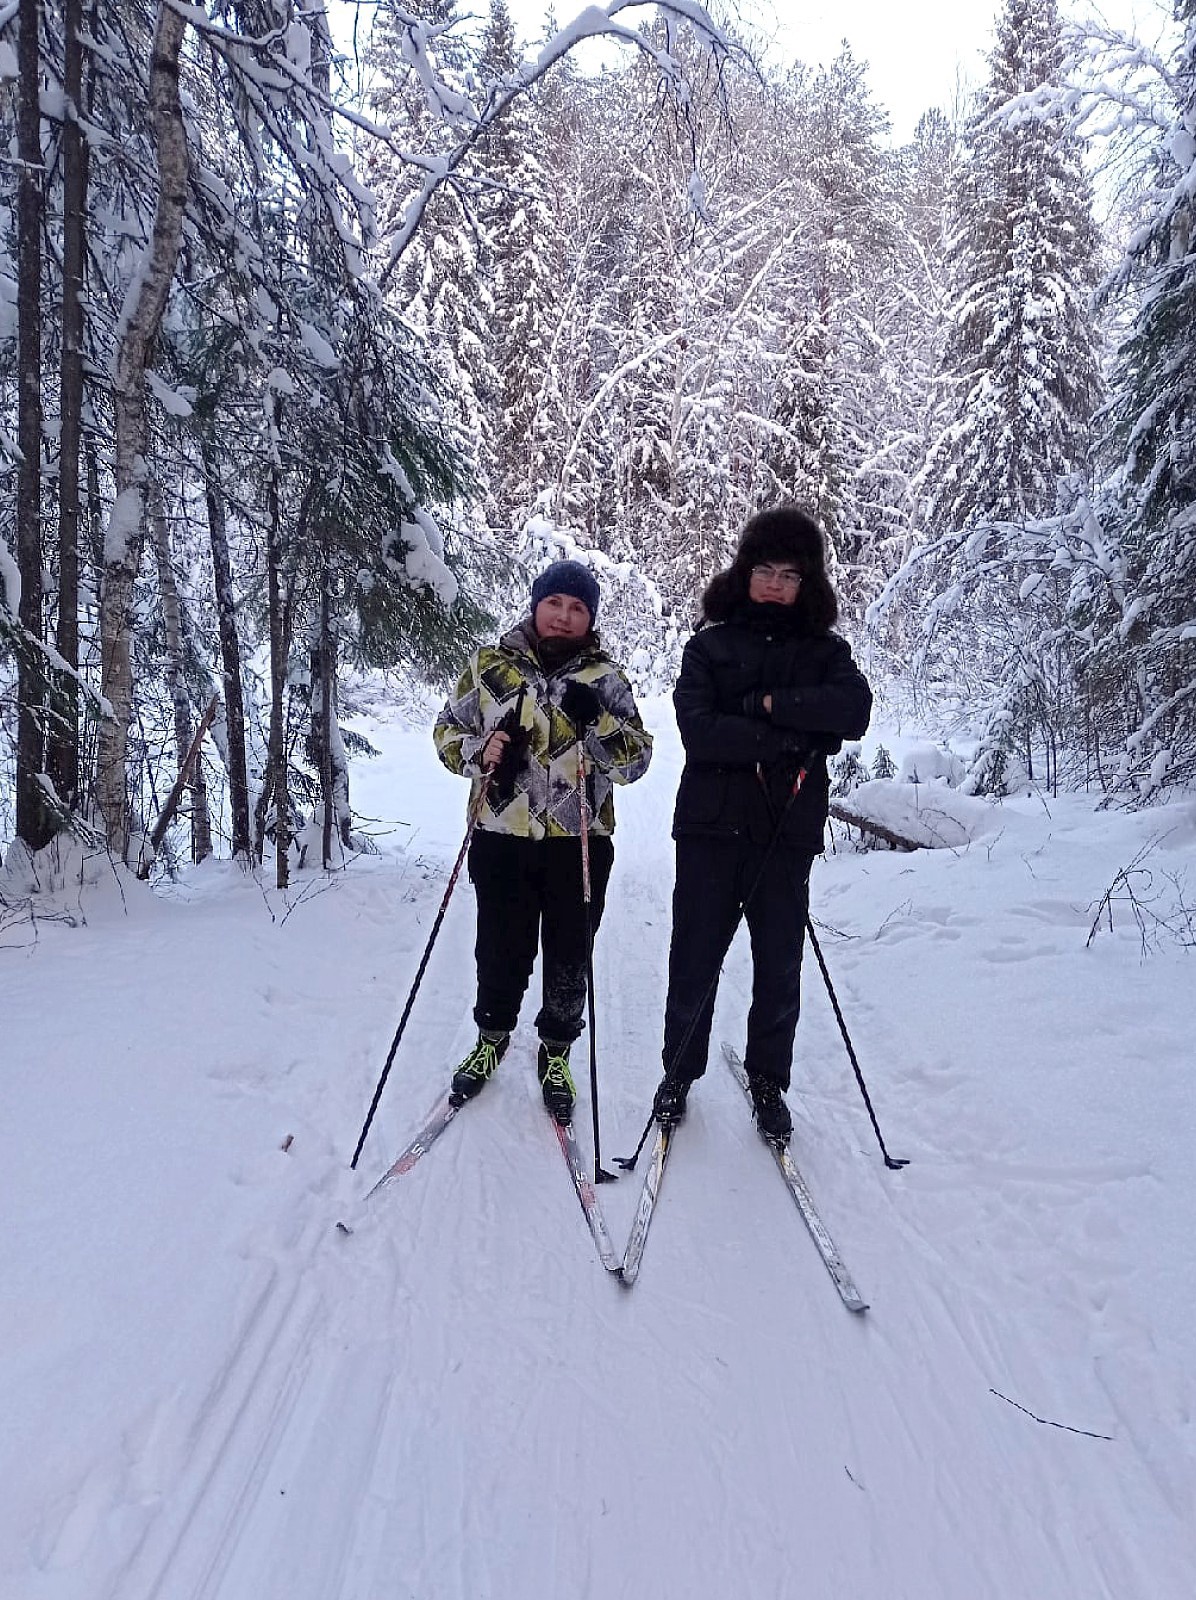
[{"x": 701, "y": 797}]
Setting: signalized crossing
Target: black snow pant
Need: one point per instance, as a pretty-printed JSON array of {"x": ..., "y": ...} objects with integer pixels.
[
  {"x": 529, "y": 891},
  {"x": 713, "y": 876}
]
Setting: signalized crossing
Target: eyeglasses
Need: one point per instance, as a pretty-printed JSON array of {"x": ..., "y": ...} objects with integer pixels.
[{"x": 787, "y": 577}]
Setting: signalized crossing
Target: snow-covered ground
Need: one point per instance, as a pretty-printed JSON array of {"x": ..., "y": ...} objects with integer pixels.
[{"x": 211, "y": 1394}]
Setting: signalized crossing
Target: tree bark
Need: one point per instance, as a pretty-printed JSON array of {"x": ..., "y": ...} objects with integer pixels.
[
  {"x": 189, "y": 761},
  {"x": 325, "y": 745},
  {"x": 62, "y": 754},
  {"x": 230, "y": 657},
  {"x": 33, "y": 818},
  {"x": 275, "y": 787},
  {"x": 326, "y": 704},
  {"x": 853, "y": 819},
  {"x": 122, "y": 544},
  {"x": 176, "y": 676}
]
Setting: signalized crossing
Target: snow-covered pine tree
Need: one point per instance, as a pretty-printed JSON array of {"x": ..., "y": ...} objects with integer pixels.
[
  {"x": 847, "y": 772},
  {"x": 1022, "y": 360},
  {"x": 829, "y": 354},
  {"x": 443, "y": 289},
  {"x": 1021, "y": 380},
  {"x": 525, "y": 259},
  {"x": 883, "y": 765},
  {"x": 1146, "y": 661},
  {"x": 588, "y": 189}
]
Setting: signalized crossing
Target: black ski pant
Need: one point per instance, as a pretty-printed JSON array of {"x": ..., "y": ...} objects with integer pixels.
[
  {"x": 529, "y": 892},
  {"x": 713, "y": 877}
]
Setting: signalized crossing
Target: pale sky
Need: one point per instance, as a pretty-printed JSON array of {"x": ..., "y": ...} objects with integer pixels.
[{"x": 916, "y": 50}]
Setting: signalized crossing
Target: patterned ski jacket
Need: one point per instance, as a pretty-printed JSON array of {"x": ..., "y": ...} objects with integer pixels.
[{"x": 544, "y": 804}]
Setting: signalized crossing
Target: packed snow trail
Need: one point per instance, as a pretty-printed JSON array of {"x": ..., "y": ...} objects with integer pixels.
[{"x": 217, "y": 1396}]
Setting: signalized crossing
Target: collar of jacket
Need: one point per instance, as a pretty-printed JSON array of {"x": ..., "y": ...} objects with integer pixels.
[
  {"x": 523, "y": 640},
  {"x": 766, "y": 617}
]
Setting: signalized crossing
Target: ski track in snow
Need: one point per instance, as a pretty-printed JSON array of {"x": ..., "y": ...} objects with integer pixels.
[{"x": 222, "y": 1398}]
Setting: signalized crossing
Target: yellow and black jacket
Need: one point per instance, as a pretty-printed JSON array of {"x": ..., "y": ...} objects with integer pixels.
[{"x": 544, "y": 804}]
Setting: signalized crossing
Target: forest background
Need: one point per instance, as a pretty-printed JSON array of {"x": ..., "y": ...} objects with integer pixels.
[{"x": 322, "y": 324}]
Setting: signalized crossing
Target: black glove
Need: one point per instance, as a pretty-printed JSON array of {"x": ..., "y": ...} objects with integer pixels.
[
  {"x": 801, "y": 749},
  {"x": 506, "y": 768},
  {"x": 753, "y": 703},
  {"x": 580, "y": 704}
]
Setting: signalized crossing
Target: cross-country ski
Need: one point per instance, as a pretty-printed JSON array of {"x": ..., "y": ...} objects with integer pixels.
[
  {"x": 438, "y": 1119},
  {"x": 645, "y": 1209},
  {"x": 796, "y": 1184}
]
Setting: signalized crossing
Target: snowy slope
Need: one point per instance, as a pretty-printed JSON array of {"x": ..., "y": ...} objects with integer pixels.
[{"x": 211, "y": 1393}]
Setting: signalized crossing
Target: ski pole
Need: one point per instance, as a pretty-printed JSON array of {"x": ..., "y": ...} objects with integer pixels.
[
  {"x": 628, "y": 1162},
  {"x": 890, "y": 1161},
  {"x": 600, "y": 1173},
  {"x": 475, "y": 813}
]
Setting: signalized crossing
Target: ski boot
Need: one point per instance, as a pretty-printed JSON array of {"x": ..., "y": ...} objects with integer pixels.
[
  {"x": 478, "y": 1067},
  {"x": 668, "y": 1107},
  {"x": 772, "y": 1114},
  {"x": 556, "y": 1082}
]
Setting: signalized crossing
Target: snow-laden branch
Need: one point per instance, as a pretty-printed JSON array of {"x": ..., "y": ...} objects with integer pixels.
[
  {"x": 593, "y": 23},
  {"x": 1064, "y": 543}
]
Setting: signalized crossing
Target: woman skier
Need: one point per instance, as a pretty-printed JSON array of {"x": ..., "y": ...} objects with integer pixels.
[
  {"x": 765, "y": 691},
  {"x": 527, "y": 713}
]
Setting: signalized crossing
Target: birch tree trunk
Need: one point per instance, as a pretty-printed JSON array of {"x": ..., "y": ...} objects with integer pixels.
[
  {"x": 33, "y": 817},
  {"x": 176, "y": 678},
  {"x": 230, "y": 657},
  {"x": 141, "y": 320},
  {"x": 62, "y": 755}
]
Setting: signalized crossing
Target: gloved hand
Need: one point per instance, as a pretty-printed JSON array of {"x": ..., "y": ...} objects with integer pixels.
[
  {"x": 800, "y": 749},
  {"x": 753, "y": 704},
  {"x": 506, "y": 768},
  {"x": 580, "y": 704}
]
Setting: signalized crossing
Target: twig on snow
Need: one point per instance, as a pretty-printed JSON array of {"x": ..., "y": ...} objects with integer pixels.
[{"x": 1047, "y": 1423}]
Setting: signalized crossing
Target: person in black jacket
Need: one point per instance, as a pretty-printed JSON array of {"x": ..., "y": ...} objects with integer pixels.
[{"x": 766, "y": 691}]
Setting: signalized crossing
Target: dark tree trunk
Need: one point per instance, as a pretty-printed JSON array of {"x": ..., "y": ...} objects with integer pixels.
[
  {"x": 176, "y": 678},
  {"x": 325, "y": 745},
  {"x": 34, "y": 819},
  {"x": 230, "y": 656},
  {"x": 275, "y": 788},
  {"x": 326, "y": 704},
  {"x": 62, "y": 755}
]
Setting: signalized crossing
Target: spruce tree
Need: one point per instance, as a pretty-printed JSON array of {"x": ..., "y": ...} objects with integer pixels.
[
  {"x": 1147, "y": 658},
  {"x": 1020, "y": 383},
  {"x": 443, "y": 289},
  {"x": 525, "y": 259},
  {"x": 1021, "y": 368},
  {"x": 824, "y": 402}
]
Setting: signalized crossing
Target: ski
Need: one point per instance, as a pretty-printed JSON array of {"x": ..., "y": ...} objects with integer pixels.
[
  {"x": 438, "y": 1119},
  {"x": 634, "y": 1253},
  {"x": 586, "y": 1194},
  {"x": 827, "y": 1249}
]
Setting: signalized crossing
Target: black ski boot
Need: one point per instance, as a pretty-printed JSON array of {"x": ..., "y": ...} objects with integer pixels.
[
  {"x": 479, "y": 1066},
  {"x": 668, "y": 1107},
  {"x": 556, "y": 1082},
  {"x": 772, "y": 1114}
]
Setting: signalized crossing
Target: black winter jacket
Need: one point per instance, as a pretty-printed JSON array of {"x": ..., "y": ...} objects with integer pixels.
[{"x": 740, "y": 761}]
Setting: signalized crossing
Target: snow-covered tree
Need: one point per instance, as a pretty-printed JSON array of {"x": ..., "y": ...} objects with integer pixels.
[
  {"x": 1020, "y": 382},
  {"x": 525, "y": 259},
  {"x": 828, "y": 424},
  {"x": 1149, "y": 648},
  {"x": 1021, "y": 368}
]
